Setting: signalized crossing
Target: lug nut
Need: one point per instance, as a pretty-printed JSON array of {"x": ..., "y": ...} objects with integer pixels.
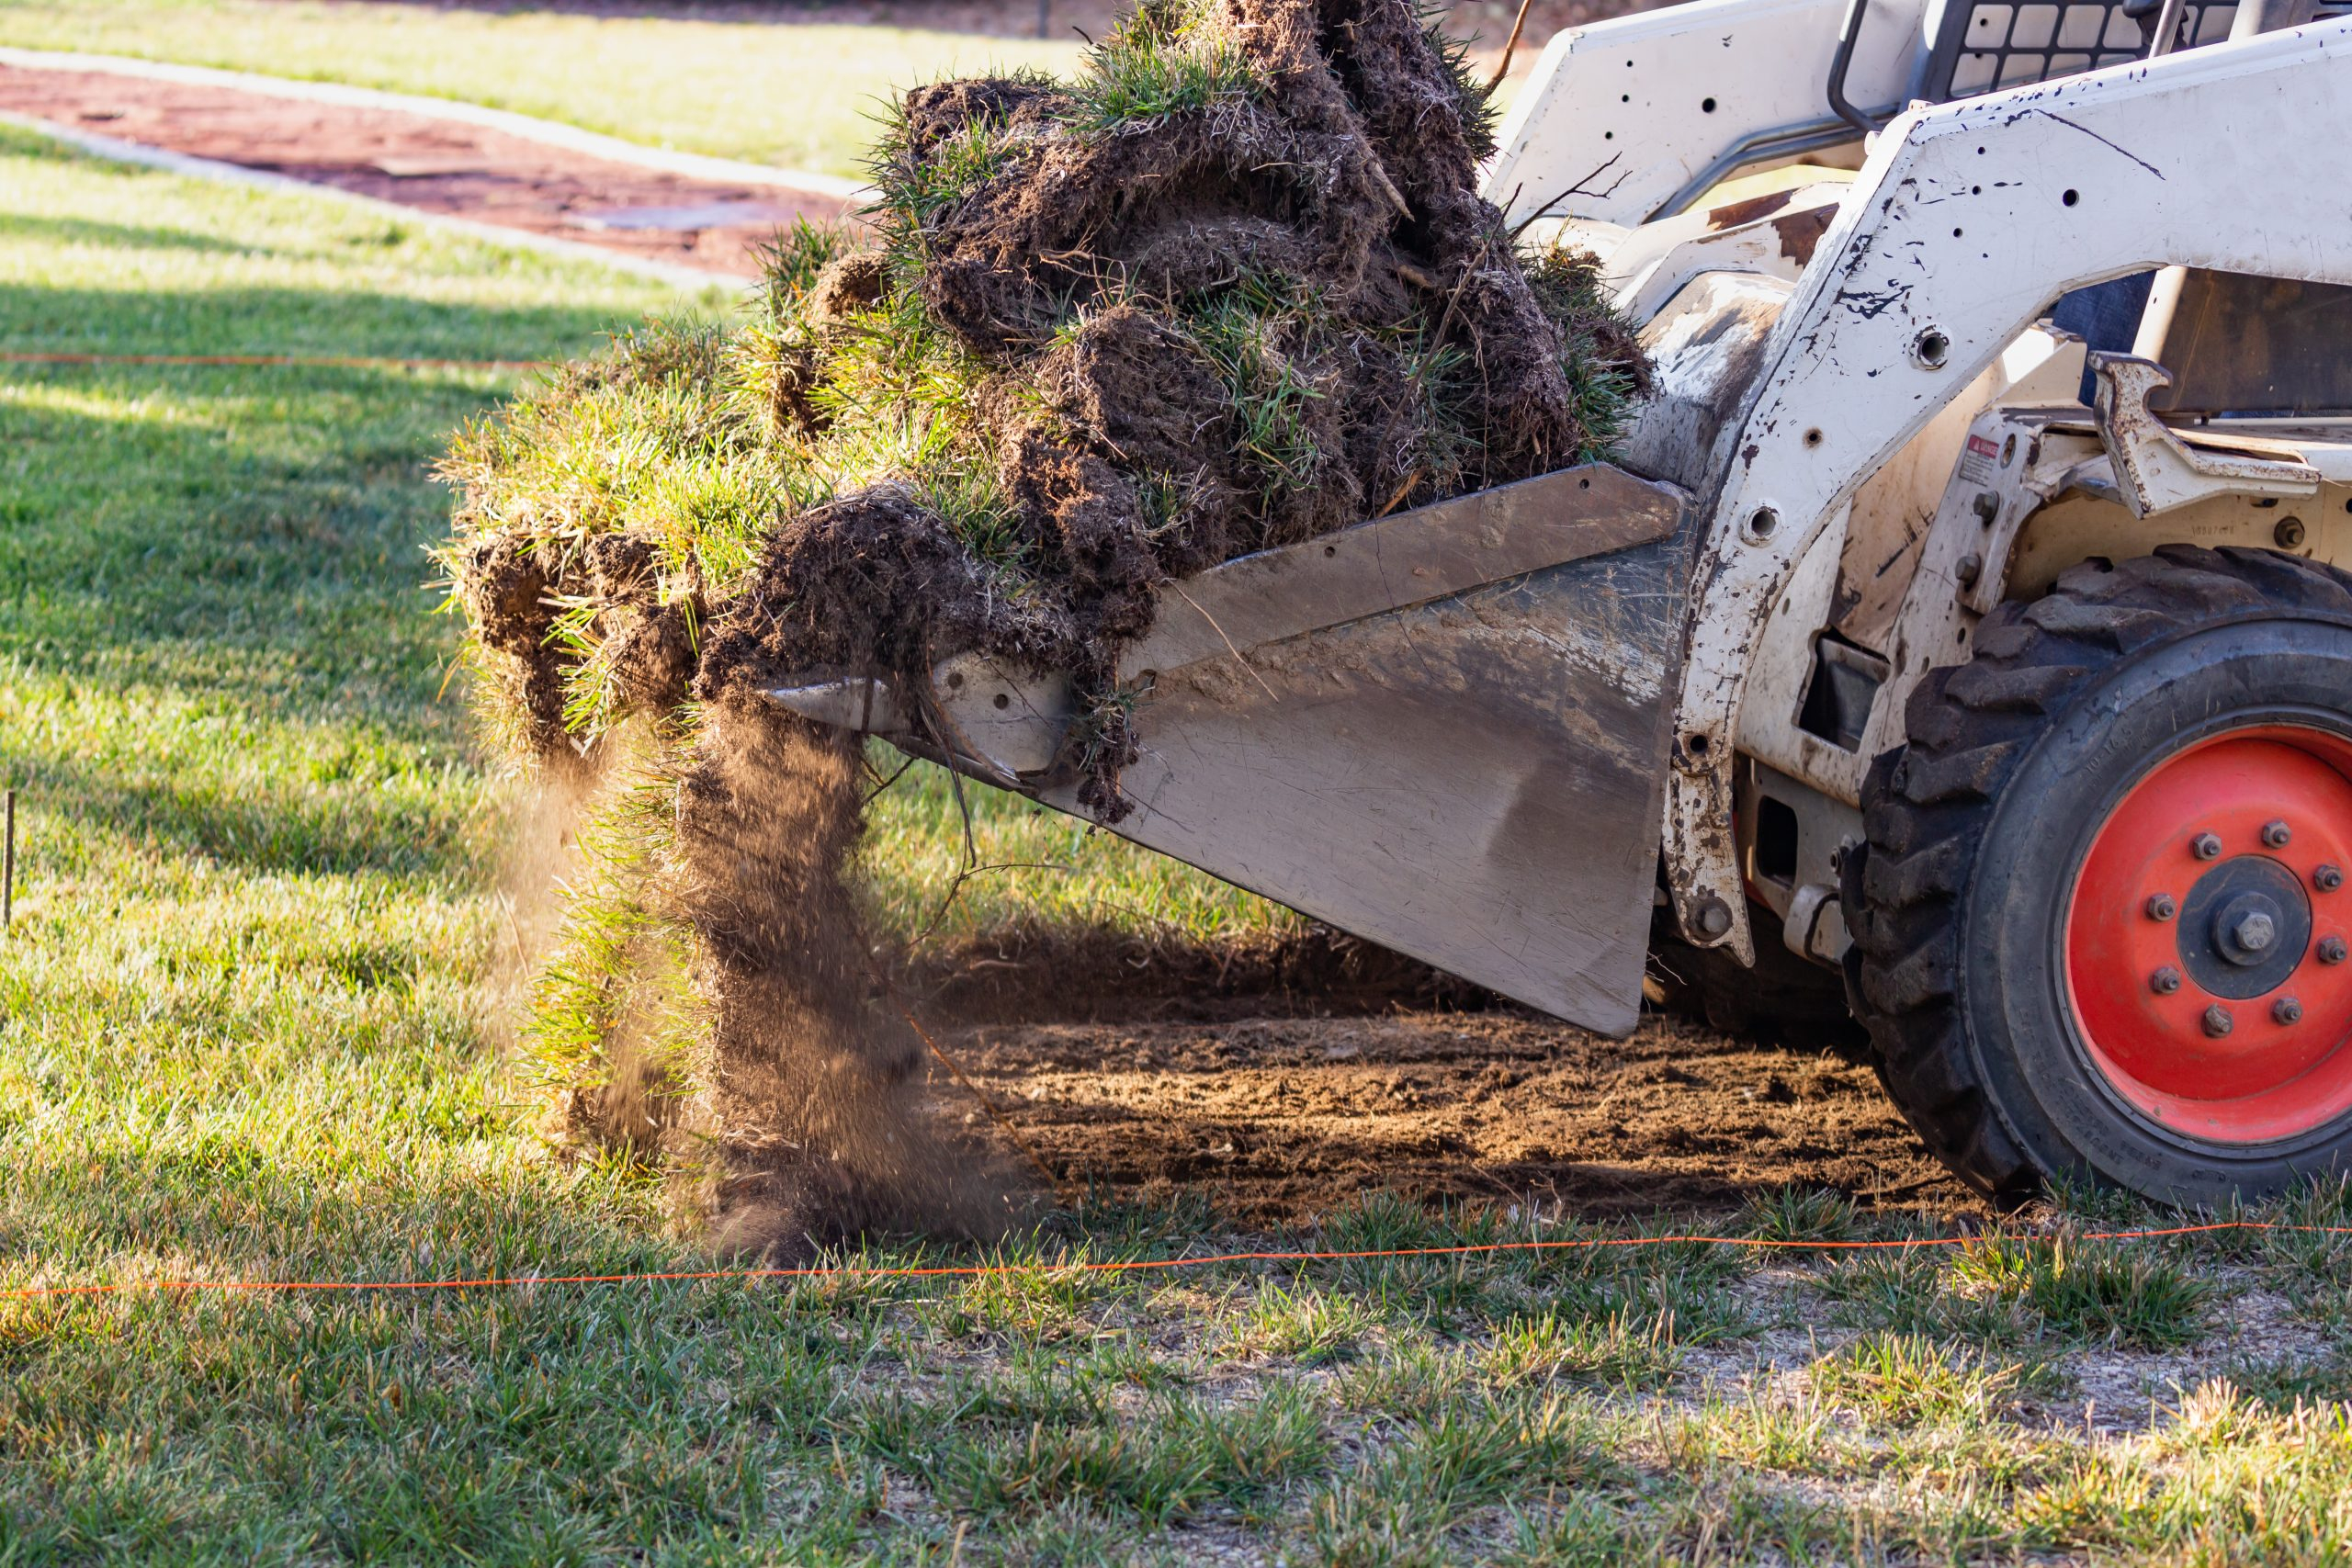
[
  {"x": 2276, "y": 834},
  {"x": 2286, "y": 1009},
  {"x": 2331, "y": 950},
  {"x": 2161, "y": 907},
  {"x": 2205, "y": 846},
  {"x": 2165, "y": 981},
  {"x": 2327, "y": 878},
  {"x": 2218, "y": 1021}
]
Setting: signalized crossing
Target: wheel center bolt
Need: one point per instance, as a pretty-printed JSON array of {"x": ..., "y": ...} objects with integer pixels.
[
  {"x": 2327, "y": 878},
  {"x": 2276, "y": 835},
  {"x": 2205, "y": 846},
  {"x": 2246, "y": 928},
  {"x": 2253, "y": 932},
  {"x": 2331, "y": 950},
  {"x": 2286, "y": 1009},
  {"x": 2161, "y": 907},
  {"x": 2218, "y": 1021},
  {"x": 2165, "y": 981}
]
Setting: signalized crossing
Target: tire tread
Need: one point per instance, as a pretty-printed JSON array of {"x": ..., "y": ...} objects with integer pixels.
[{"x": 1927, "y": 807}]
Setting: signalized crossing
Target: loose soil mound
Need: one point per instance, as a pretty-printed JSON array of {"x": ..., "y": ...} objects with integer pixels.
[
  {"x": 1275, "y": 1120},
  {"x": 1232, "y": 289}
]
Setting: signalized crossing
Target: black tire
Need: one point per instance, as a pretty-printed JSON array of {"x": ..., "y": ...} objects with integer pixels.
[{"x": 1976, "y": 829}]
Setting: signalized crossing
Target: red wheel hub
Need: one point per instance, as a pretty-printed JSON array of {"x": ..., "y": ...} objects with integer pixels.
[{"x": 2206, "y": 957}]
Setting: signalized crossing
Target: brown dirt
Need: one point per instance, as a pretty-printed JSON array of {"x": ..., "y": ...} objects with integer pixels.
[
  {"x": 815, "y": 1084},
  {"x": 1275, "y": 1121},
  {"x": 1025, "y": 975},
  {"x": 434, "y": 166}
]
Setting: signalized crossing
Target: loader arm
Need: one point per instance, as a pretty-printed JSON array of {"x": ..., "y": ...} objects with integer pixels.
[{"x": 1964, "y": 225}]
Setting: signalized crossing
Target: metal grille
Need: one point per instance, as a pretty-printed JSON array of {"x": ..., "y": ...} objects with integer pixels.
[{"x": 2009, "y": 45}]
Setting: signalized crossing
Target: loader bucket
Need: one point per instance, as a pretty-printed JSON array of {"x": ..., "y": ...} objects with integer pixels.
[{"x": 1443, "y": 731}]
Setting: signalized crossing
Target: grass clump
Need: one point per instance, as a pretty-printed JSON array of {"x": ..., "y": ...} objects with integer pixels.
[
  {"x": 2146, "y": 1301},
  {"x": 2309, "y": 1258},
  {"x": 1921, "y": 1292},
  {"x": 1435, "y": 1472},
  {"x": 1301, "y": 1324},
  {"x": 1791, "y": 1214},
  {"x": 1622, "y": 1351},
  {"x": 2092, "y": 1291},
  {"x": 1161, "y": 61},
  {"x": 1905, "y": 1378},
  {"x": 1151, "y": 1467}
]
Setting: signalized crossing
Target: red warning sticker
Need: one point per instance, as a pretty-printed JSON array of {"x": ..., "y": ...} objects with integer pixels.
[{"x": 1981, "y": 461}]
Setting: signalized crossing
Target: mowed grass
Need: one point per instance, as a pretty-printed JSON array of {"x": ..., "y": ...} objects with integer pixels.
[
  {"x": 1033, "y": 869},
  {"x": 241, "y": 1037},
  {"x": 797, "y": 92}
]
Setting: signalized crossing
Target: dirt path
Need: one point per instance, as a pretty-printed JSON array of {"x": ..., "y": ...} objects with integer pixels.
[
  {"x": 1277, "y": 1120},
  {"x": 436, "y": 165}
]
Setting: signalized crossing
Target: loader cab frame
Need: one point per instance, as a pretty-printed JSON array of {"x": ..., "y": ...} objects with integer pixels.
[{"x": 1750, "y": 224}]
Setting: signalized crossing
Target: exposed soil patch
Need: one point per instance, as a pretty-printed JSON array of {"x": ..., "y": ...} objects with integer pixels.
[
  {"x": 1280, "y": 1119},
  {"x": 1027, "y": 975},
  {"x": 435, "y": 165}
]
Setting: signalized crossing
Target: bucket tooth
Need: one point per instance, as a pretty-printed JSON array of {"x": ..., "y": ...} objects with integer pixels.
[
  {"x": 984, "y": 718},
  {"x": 864, "y": 705}
]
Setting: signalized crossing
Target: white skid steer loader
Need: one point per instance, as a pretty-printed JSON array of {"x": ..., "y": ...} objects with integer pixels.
[{"x": 1964, "y": 612}]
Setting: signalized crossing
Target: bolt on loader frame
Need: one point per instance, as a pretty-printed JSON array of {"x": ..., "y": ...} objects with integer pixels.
[{"x": 2002, "y": 667}]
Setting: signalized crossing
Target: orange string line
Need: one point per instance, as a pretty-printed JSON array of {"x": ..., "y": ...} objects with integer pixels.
[
  {"x": 342, "y": 361},
  {"x": 979, "y": 1270}
]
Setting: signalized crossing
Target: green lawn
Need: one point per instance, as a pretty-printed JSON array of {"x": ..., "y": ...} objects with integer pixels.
[
  {"x": 242, "y": 1035},
  {"x": 795, "y": 95}
]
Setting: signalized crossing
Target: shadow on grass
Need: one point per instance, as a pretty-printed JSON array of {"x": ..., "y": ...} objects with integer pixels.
[
  {"x": 216, "y": 575},
  {"x": 292, "y": 830},
  {"x": 235, "y": 319},
  {"x": 281, "y": 511},
  {"x": 119, "y": 236}
]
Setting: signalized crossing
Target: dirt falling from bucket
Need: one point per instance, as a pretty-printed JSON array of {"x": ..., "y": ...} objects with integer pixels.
[{"x": 818, "y": 1096}]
